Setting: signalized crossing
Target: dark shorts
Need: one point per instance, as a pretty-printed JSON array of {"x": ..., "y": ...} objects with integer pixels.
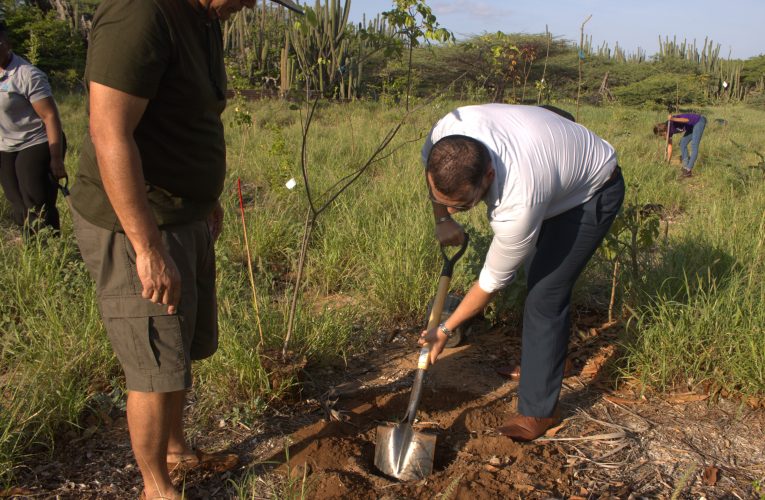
[{"x": 154, "y": 348}]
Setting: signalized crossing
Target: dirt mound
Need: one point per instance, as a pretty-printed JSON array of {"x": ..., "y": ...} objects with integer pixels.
[
  {"x": 470, "y": 459},
  {"x": 463, "y": 402}
]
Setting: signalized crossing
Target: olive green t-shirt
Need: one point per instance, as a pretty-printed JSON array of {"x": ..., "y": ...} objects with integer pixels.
[{"x": 170, "y": 53}]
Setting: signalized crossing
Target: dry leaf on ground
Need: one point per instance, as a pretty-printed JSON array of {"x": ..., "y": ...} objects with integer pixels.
[
  {"x": 621, "y": 401},
  {"x": 554, "y": 430},
  {"x": 686, "y": 398},
  {"x": 710, "y": 475}
]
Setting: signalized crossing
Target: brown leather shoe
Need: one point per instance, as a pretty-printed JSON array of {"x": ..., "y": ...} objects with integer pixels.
[{"x": 522, "y": 428}]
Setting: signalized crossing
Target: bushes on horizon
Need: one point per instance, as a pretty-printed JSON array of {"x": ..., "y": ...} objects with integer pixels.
[{"x": 664, "y": 89}]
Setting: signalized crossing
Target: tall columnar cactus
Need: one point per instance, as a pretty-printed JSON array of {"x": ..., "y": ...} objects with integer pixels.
[
  {"x": 321, "y": 45},
  {"x": 287, "y": 70},
  {"x": 321, "y": 48},
  {"x": 729, "y": 85},
  {"x": 369, "y": 37},
  {"x": 722, "y": 76}
]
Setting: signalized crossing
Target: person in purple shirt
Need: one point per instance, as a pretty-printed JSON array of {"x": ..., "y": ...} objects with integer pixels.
[{"x": 692, "y": 125}]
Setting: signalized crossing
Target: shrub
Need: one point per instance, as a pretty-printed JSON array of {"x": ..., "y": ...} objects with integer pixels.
[
  {"x": 46, "y": 42},
  {"x": 665, "y": 89}
]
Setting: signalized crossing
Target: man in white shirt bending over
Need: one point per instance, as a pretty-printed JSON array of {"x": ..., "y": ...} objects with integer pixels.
[{"x": 552, "y": 188}]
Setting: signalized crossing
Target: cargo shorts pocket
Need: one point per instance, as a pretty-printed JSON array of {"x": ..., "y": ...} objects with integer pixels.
[{"x": 144, "y": 337}]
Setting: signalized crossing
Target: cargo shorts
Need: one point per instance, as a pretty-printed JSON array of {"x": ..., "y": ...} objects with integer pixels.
[{"x": 154, "y": 348}]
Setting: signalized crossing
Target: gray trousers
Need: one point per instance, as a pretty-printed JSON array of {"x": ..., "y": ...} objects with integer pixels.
[{"x": 565, "y": 245}]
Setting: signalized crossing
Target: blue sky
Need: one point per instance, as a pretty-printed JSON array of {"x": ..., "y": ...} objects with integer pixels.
[{"x": 737, "y": 25}]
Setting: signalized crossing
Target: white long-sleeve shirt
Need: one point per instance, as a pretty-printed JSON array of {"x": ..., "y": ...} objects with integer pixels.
[{"x": 545, "y": 165}]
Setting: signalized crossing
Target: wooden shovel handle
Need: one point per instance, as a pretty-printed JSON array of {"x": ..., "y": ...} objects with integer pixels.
[{"x": 438, "y": 302}]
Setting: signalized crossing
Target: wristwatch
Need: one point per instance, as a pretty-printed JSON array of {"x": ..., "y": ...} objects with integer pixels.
[{"x": 446, "y": 331}]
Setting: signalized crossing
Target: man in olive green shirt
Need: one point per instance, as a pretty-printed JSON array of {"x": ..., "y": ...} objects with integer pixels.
[{"x": 146, "y": 208}]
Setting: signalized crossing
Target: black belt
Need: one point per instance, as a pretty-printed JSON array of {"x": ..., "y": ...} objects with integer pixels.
[{"x": 613, "y": 178}]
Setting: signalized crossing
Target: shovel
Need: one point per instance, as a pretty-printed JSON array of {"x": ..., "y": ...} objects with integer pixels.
[{"x": 400, "y": 451}]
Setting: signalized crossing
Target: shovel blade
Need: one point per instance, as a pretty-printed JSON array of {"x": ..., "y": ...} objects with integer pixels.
[{"x": 403, "y": 453}]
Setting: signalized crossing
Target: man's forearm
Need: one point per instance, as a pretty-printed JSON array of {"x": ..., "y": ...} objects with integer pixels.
[
  {"x": 474, "y": 303},
  {"x": 114, "y": 117},
  {"x": 119, "y": 163}
]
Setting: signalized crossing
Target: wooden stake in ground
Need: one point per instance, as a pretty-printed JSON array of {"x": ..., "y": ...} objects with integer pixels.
[
  {"x": 581, "y": 62},
  {"x": 249, "y": 264},
  {"x": 548, "y": 37}
]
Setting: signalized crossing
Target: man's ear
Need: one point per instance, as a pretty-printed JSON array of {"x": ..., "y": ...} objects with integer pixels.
[{"x": 491, "y": 173}]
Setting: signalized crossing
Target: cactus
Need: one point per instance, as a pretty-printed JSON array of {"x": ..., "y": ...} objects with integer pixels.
[
  {"x": 722, "y": 76},
  {"x": 286, "y": 68},
  {"x": 251, "y": 38},
  {"x": 321, "y": 44},
  {"x": 321, "y": 48}
]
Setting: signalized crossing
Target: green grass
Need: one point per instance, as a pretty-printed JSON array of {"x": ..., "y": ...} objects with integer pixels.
[
  {"x": 52, "y": 349},
  {"x": 373, "y": 262}
]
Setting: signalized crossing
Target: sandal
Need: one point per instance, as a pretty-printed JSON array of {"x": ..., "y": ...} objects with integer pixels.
[{"x": 212, "y": 462}]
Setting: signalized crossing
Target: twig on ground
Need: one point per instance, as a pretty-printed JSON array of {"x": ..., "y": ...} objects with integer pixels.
[
  {"x": 661, "y": 481},
  {"x": 614, "y": 451},
  {"x": 634, "y": 414},
  {"x": 583, "y": 457},
  {"x": 594, "y": 437},
  {"x": 607, "y": 424}
]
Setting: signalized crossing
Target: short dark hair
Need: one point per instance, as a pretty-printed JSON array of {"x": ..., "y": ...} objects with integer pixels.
[
  {"x": 457, "y": 163},
  {"x": 3, "y": 28},
  {"x": 660, "y": 128}
]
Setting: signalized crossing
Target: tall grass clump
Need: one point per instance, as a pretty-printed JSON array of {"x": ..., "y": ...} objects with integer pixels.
[
  {"x": 53, "y": 352},
  {"x": 713, "y": 338}
]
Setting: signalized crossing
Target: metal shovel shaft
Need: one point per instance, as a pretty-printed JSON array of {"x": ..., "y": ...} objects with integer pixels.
[{"x": 400, "y": 451}]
